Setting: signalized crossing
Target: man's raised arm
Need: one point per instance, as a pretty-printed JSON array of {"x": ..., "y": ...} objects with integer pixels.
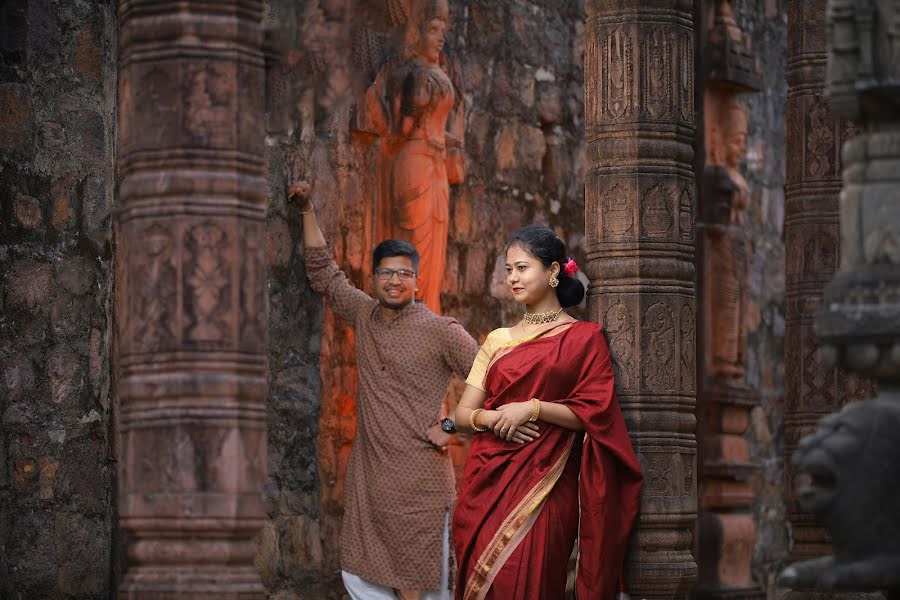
[{"x": 325, "y": 277}]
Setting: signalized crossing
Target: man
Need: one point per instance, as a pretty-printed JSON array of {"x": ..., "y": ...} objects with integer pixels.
[{"x": 399, "y": 486}]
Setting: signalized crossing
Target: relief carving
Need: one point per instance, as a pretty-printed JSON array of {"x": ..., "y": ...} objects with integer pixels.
[
  {"x": 619, "y": 325},
  {"x": 618, "y": 82},
  {"x": 658, "y": 343},
  {"x": 686, "y": 216},
  {"x": 155, "y": 278},
  {"x": 253, "y": 285},
  {"x": 688, "y": 350},
  {"x": 207, "y": 285},
  {"x": 819, "y": 140},
  {"x": 617, "y": 216},
  {"x": 657, "y": 219},
  {"x": 415, "y": 107},
  {"x": 656, "y": 74},
  {"x": 726, "y": 241},
  {"x": 686, "y": 77},
  {"x": 209, "y": 103},
  {"x": 820, "y": 256}
]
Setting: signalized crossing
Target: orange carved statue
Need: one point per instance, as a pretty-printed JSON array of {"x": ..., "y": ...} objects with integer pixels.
[
  {"x": 726, "y": 243},
  {"x": 415, "y": 110}
]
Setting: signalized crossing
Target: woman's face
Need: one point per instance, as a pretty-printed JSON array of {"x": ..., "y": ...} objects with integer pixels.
[
  {"x": 527, "y": 277},
  {"x": 432, "y": 40}
]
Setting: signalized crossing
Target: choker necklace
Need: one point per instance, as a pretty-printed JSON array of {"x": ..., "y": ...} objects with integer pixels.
[{"x": 540, "y": 318}]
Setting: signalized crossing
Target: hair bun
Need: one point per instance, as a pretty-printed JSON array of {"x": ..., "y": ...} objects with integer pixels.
[{"x": 570, "y": 291}]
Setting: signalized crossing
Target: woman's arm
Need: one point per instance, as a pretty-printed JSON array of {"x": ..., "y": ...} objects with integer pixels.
[
  {"x": 472, "y": 400},
  {"x": 516, "y": 414},
  {"x": 559, "y": 414}
]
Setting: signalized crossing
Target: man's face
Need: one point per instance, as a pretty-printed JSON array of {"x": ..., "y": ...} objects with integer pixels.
[{"x": 392, "y": 283}]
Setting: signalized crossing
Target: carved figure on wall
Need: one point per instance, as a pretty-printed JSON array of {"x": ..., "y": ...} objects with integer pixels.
[
  {"x": 415, "y": 109},
  {"x": 726, "y": 241}
]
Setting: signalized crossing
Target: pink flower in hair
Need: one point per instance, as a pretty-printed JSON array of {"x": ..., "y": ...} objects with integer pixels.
[{"x": 570, "y": 267}]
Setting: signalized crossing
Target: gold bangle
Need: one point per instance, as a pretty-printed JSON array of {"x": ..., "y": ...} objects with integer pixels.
[
  {"x": 472, "y": 416},
  {"x": 536, "y": 411}
]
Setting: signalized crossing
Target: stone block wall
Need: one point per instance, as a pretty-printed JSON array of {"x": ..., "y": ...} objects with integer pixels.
[
  {"x": 57, "y": 99},
  {"x": 764, "y": 170}
]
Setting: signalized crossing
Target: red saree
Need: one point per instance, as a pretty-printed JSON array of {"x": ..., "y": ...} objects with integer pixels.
[{"x": 521, "y": 507}]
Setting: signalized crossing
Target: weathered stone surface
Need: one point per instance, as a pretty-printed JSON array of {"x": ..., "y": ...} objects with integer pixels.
[
  {"x": 190, "y": 297},
  {"x": 726, "y": 532},
  {"x": 639, "y": 224},
  {"x": 56, "y": 522}
]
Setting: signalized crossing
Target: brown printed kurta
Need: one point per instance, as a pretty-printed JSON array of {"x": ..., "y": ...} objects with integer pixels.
[{"x": 398, "y": 487}]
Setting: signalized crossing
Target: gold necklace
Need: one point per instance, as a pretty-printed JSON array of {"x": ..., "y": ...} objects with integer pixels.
[{"x": 540, "y": 318}]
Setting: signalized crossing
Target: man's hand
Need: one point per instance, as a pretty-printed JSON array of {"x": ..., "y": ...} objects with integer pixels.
[
  {"x": 300, "y": 194},
  {"x": 438, "y": 437}
]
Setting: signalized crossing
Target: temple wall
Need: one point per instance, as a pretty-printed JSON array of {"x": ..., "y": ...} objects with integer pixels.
[
  {"x": 522, "y": 75},
  {"x": 57, "y": 131},
  {"x": 764, "y": 170}
]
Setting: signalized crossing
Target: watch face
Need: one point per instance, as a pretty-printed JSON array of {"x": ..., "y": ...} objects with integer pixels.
[{"x": 448, "y": 426}]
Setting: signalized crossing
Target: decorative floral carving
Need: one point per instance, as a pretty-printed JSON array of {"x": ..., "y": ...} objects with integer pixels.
[
  {"x": 619, "y": 325},
  {"x": 207, "y": 284},
  {"x": 618, "y": 82},
  {"x": 656, "y": 74},
  {"x": 819, "y": 140},
  {"x": 688, "y": 350},
  {"x": 658, "y": 343}
]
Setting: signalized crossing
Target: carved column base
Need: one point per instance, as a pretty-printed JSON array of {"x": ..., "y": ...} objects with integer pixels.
[{"x": 219, "y": 582}]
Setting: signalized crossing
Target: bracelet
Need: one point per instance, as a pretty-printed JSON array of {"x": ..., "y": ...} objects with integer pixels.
[
  {"x": 472, "y": 416},
  {"x": 536, "y": 411}
]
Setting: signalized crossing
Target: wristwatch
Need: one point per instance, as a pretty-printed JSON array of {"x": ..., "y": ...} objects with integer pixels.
[{"x": 448, "y": 426}]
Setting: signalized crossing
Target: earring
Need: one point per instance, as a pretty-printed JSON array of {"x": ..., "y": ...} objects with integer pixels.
[{"x": 554, "y": 281}]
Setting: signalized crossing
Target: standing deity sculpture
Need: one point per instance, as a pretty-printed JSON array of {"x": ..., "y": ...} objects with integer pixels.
[
  {"x": 415, "y": 110},
  {"x": 727, "y": 243}
]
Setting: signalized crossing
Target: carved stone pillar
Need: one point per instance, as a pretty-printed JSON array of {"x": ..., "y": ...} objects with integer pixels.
[
  {"x": 813, "y": 387},
  {"x": 726, "y": 530},
  {"x": 191, "y": 297},
  {"x": 639, "y": 221},
  {"x": 845, "y": 463}
]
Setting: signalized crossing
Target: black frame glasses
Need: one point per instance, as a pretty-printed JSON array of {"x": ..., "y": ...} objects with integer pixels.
[{"x": 385, "y": 274}]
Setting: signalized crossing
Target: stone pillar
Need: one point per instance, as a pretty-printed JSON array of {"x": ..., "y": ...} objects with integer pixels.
[
  {"x": 726, "y": 530},
  {"x": 844, "y": 464},
  {"x": 639, "y": 221},
  {"x": 191, "y": 297},
  {"x": 814, "y": 135}
]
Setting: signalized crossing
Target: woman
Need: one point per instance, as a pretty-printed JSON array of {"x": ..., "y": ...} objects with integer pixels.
[{"x": 551, "y": 458}]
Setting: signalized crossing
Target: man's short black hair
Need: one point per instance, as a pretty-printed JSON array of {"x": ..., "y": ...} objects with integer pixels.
[{"x": 389, "y": 248}]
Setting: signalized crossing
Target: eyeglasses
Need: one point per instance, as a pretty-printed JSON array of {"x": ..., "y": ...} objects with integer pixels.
[{"x": 387, "y": 274}]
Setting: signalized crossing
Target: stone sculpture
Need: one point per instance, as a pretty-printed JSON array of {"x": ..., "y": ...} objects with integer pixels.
[
  {"x": 415, "y": 110},
  {"x": 726, "y": 530}
]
